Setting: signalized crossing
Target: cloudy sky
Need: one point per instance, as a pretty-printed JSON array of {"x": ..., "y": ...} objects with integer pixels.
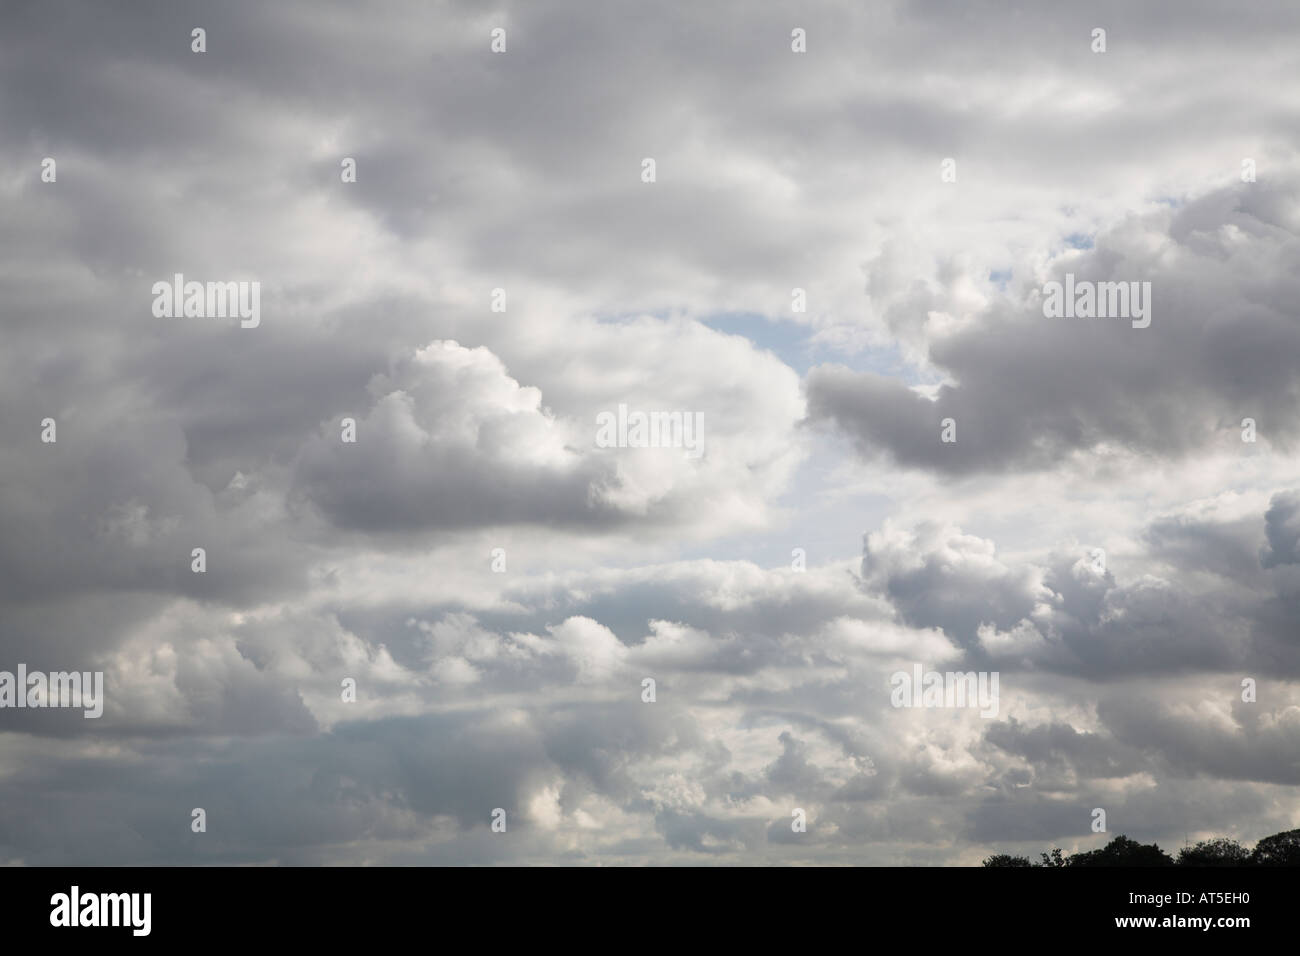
[{"x": 825, "y": 538}]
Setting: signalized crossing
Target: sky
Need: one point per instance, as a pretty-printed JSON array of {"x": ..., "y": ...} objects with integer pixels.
[{"x": 395, "y": 637}]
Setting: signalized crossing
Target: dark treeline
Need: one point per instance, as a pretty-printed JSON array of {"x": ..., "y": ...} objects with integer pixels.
[{"x": 1280, "y": 849}]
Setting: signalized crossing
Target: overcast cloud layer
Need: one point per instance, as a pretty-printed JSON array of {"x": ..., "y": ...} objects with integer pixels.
[{"x": 499, "y": 583}]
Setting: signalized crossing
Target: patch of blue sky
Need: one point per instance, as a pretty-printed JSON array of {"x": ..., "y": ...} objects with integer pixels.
[{"x": 794, "y": 344}]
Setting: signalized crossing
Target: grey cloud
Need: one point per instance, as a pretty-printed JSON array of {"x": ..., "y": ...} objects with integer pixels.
[
  {"x": 522, "y": 690},
  {"x": 1282, "y": 528},
  {"x": 1028, "y": 391}
]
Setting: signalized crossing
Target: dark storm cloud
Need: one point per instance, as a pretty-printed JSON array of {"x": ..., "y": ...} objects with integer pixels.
[
  {"x": 1282, "y": 528},
  {"x": 1051, "y": 748},
  {"x": 1031, "y": 390}
]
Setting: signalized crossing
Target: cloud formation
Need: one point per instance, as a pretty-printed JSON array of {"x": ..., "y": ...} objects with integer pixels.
[{"x": 1103, "y": 532}]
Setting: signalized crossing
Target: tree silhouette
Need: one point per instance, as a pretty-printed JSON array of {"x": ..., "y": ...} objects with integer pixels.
[
  {"x": 1217, "y": 852},
  {"x": 1122, "y": 851},
  {"x": 1280, "y": 849},
  {"x": 1054, "y": 860}
]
